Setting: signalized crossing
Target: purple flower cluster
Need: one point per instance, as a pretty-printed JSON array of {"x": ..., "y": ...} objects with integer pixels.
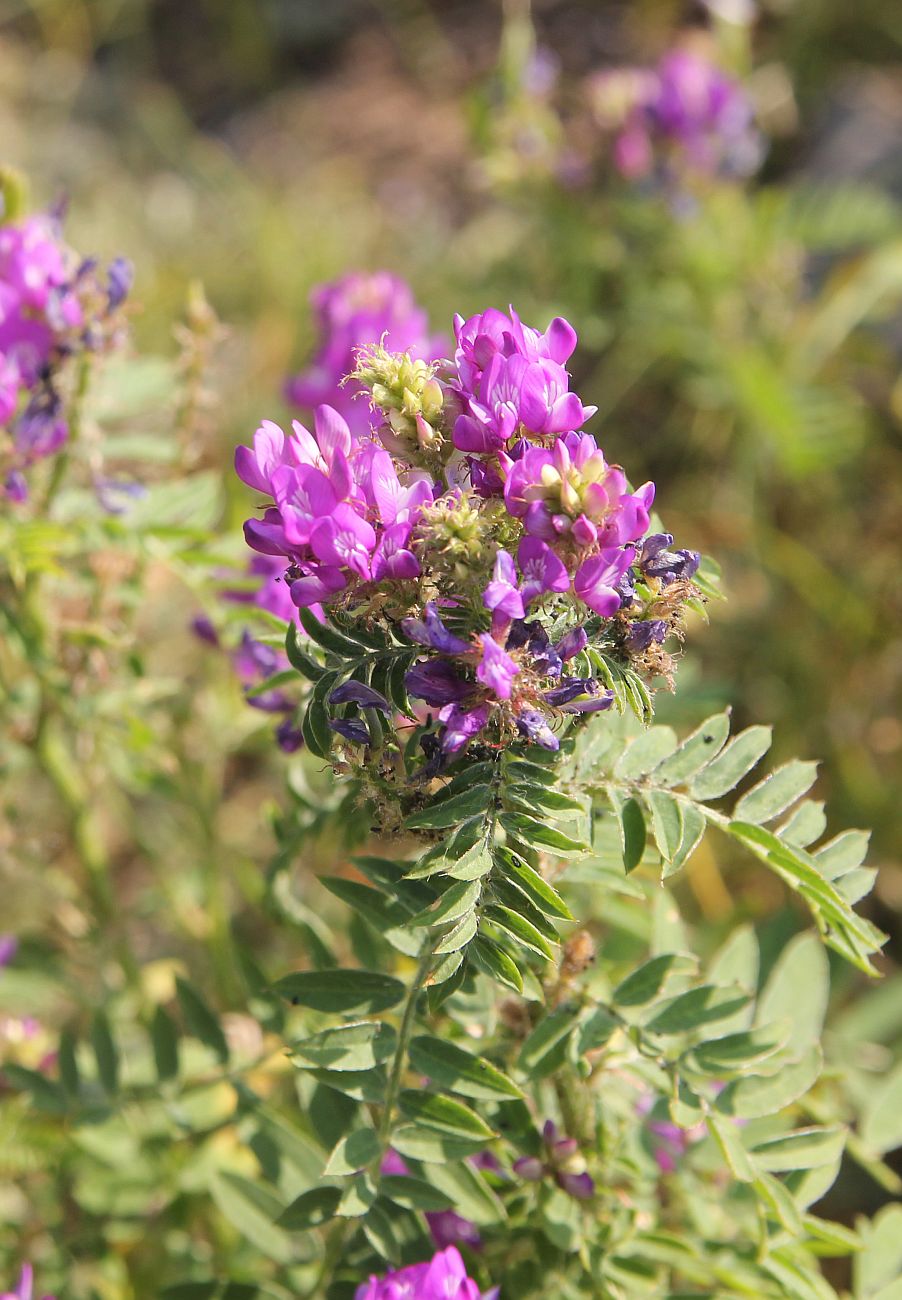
[
  {"x": 341, "y": 514},
  {"x": 444, "y": 1277},
  {"x": 503, "y": 558},
  {"x": 686, "y": 115},
  {"x": 52, "y": 306},
  {"x": 352, "y": 313}
]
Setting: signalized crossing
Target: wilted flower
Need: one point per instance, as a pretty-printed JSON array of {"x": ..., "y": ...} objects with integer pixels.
[{"x": 444, "y": 1277}]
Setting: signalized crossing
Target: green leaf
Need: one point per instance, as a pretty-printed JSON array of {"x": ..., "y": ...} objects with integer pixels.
[
  {"x": 843, "y": 853},
  {"x": 470, "y": 1193},
  {"x": 318, "y": 736},
  {"x": 432, "y": 1110},
  {"x": 694, "y": 753},
  {"x": 881, "y": 1125},
  {"x": 46, "y": 1095},
  {"x": 849, "y": 934},
  {"x": 413, "y": 1193},
  {"x": 325, "y": 635},
  {"x": 806, "y": 1148},
  {"x": 543, "y": 895},
  {"x": 757, "y": 1097},
  {"x": 432, "y": 1146},
  {"x": 538, "y": 835},
  {"x": 545, "y": 1047},
  {"x": 522, "y": 930},
  {"x": 459, "y": 936},
  {"x": 780, "y": 1200},
  {"x": 644, "y": 753},
  {"x": 731, "y": 765},
  {"x": 253, "y": 1209},
  {"x": 694, "y": 827},
  {"x": 632, "y": 833},
  {"x": 805, "y": 824},
  {"x": 298, "y": 657},
  {"x": 357, "y": 1197},
  {"x": 667, "y": 822},
  {"x": 164, "y": 1039},
  {"x": 450, "y": 812},
  {"x": 105, "y": 1053},
  {"x": 67, "y": 1063},
  {"x": 311, "y": 1209},
  {"x": 880, "y": 1262},
  {"x": 341, "y": 990},
  {"x": 387, "y": 918},
  {"x": 776, "y": 792},
  {"x": 735, "y": 1156},
  {"x": 358, "y": 1046},
  {"x": 456, "y": 902},
  {"x": 200, "y": 1020},
  {"x": 699, "y": 1006},
  {"x": 597, "y": 1030},
  {"x": 737, "y": 1051},
  {"x": 492, "y": 960},
  {"x": 379, "y": 1230},
  {"x": 360, "y": 1085},
  {"x": 798, "y": 989},
  {"x": 451, "y": 1066},
  {"x": 646, "y": 982},
  {"x": 353, "y": 1152}
]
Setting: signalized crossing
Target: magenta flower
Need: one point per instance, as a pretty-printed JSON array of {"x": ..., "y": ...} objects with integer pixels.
[
  {"x": 9, "y": 946},
  {"x": 596, "y": 580},
  {"x": 341, "y": 512},
  {"x": 542, "y": 570},
  {"x": 570, "y": 491},
  {"x": 352, "y": 312},
  {"x": 496, "y": 669},
  {"x": 510, "y": 378},
  {"x": 444, "y": 1277},
  {"x": 501, "y": 595},
  {"x": 25, "y": 1288}
]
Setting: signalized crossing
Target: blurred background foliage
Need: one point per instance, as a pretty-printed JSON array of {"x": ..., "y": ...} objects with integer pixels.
[{"x": 744, "y": 351}]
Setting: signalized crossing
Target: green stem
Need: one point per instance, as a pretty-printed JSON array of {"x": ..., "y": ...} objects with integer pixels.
[{"x": 404, "y": 1035}]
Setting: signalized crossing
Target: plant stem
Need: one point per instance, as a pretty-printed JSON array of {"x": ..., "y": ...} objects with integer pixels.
[{"x": 404, "y": 1035}]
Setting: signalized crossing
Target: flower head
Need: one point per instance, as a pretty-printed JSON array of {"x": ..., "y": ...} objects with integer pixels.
[{"x": 444, "y": 1277}]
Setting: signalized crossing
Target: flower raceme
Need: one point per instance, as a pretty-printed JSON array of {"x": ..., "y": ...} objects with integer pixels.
[
  {"x": 53, "y": 306},
  {"x": 519, "y": 547}
]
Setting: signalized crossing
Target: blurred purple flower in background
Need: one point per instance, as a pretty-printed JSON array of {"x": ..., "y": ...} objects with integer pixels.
[
  {"x": 686, "y": 116},
  {"x": 25, "y": 1288},
  {"x": 355, "y": 311}
]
